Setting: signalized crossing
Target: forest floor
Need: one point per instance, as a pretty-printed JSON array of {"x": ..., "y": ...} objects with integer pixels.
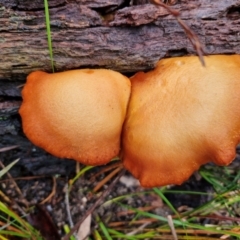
[{"x": 57, "y": 202}]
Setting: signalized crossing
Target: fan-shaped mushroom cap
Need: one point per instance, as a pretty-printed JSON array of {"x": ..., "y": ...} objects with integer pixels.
[
  {"x": 76, "y": 114},
  {"x": 182, "y": 115}
]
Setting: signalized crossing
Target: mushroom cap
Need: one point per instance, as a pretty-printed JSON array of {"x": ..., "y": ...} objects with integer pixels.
[
  {"x": 76, "y": 114},
  {"x": 182, "y": 115}
]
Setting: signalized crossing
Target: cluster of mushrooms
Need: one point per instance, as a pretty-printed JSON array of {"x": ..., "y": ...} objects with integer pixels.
[{"x": 164, "y": 124}]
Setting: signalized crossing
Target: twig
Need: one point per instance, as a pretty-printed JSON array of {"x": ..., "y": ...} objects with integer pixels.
[
  {"x": 68, "y": 206},
  {"x": 5, "y": 149},
  {"x": 106, "y": 169},
  {"x": 4, "y": 197},
  {"x": 140, "y": 228},
  {"x": 175, "y": 13},
  {"x": 95, "y": 205},
  {"x": 190, "y": 34},
  {"x": 193, "y": 39},
  {"x": 171, "y": 225},
  {"x": 23, "y": 200},
  {"x": 23, "y": 178},
  {"x": 78, "y": 168},
  {"x": 52, "y": 192},
  {"x": 107, "y": 178}
]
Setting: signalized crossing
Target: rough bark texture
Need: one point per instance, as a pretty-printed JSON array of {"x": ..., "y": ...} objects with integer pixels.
[
  {"x": 110, "y": 34},
  {"x": 127, "y": 36}
]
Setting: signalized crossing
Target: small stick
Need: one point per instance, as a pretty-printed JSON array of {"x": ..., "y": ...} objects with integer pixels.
[
  {"x": 190, "y": 34},
  {"x": 53, "y": 192},
  {"x": 23, "y": 200},
  {"x": 106, "y": 169},
  {"x": 107, "y": 178},
  {"x": 95, "y": 205},
  {"x": 171, "y": 225},
  {"x": 5, "y": 149},
  {"x": 70, "y": 221},
  {"x": 139, "y": 229}
]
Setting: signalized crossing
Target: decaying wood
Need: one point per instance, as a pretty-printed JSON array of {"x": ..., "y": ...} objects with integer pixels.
[
  {"x": 124, "y": 35},
  {"x": 127, "y": 39}
]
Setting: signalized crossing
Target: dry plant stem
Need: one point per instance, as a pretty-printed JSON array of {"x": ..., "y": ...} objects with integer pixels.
[
  {"x": 219, "y": 218},
  {"x": 133, "y": 224},
  {"x": 9, "y": 227},
  {"x": 95, "y": 205},
  {"x": 139, "y": 229},
  {"x": 226, "y": 236},
  {"x": 193, "y": 39},
  {"x": 4, "y": 197},
  {"x": 171, "y": 225},
  {"x": 52, "y": 192},
  {"x": 77, "y": 167},
  {"x": 66, "y": 190},
  {"x": 5, "y": 149},
  {"x": 106, "y": 179},
  {"x": 11, "y": 201},
  {"x": 131, "y": 212},
  {"x": 23, "y": 178},
  {"x": 167, "y": 231},
  {"x": 23, "y": 200},
  {"x": 106, "y": 169},
  {"x": 190, "y": 34}
]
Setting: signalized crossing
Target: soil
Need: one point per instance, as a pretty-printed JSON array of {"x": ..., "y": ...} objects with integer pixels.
[{"x": 46, "y": 192}]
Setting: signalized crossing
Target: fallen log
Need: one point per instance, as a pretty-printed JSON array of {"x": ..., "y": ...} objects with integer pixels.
[{"x": 115, "y": 35}]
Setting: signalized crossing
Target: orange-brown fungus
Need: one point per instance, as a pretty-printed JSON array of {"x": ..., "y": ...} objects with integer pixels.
[
  {"x": 76, "y": 114},
  {"x": 182, "y": 115}
]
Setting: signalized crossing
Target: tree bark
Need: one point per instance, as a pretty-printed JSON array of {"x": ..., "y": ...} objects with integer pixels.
[
  {"x": 110, "y": 34},
  {"x": 122, "y": 35}
]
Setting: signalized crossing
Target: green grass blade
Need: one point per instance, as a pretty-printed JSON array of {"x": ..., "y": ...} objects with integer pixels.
[
  {"x": 78, "y": 175},
  {"x": 103, "y": 228},
  {"x": 7, "y": 168},
  {"x": 16, "y": 221},
  {"x": 67, "y": 230},
  {"x": 47, "y": 19},
  {"x": 161, "y": 195},
  {"x": 181, "y": 223},
  {"x": 3, "y": 238},
  {"x": 97, "y": 235}
]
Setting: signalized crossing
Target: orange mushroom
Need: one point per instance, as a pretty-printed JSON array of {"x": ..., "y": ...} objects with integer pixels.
[
  {"x": 182, "y": 115},
  {"x": 76, "y": 114}
]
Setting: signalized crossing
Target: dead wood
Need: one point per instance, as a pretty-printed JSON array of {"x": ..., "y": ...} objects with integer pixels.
[{"x": 115, "y": 35}]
